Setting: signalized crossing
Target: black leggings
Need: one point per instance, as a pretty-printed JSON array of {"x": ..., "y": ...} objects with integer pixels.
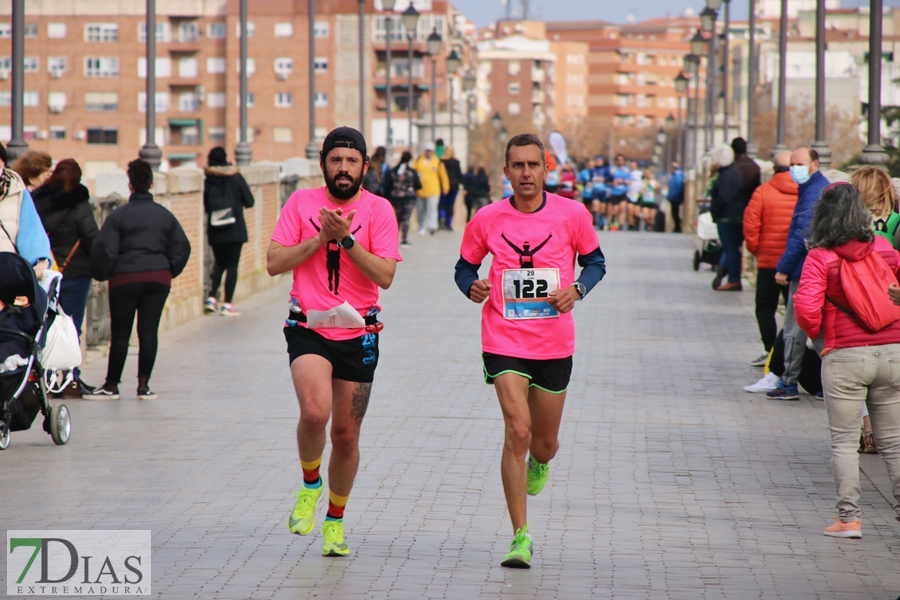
[
  {"x": 148, "y": 300},
  {"x": 676, "y": 216},
  {"x": 227, "y": 256}
]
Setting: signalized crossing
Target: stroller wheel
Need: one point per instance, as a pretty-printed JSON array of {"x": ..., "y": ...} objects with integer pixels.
[
  {"x": 60, "y": 424},
  {"x": 4, "y": 435},
  {"x": 696, "y": 260}
]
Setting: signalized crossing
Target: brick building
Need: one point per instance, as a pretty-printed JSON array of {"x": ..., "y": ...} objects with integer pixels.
[{"x": 85, "y": 75}]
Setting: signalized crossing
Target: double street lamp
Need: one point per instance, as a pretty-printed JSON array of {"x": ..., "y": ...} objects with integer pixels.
[
  {"x": 681, "y": 84},
  {"x": 410, "y": 23},
  {"x": 434, "y": 48},
  {"x": 453, "y": 62},
  {"x": 708, "y": 23},
  {"x": 692, "y": 67},
  {"x": 469, "y": 81},
  {"x": 388, "y": 6},
  {"x": 501, "y": 135}
]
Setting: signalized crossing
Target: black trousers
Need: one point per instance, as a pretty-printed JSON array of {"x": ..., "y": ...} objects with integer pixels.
[
  {"x": 147, "y": 299},
  {"x": 676, "y": 216},
  {"x": 227, "y": 257},
  {"x": 767, "y": 294}
]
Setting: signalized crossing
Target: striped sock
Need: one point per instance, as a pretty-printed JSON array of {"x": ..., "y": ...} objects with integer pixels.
[
  {"x": 311, "y": 477},
  {"x": 336, "y": 506}
]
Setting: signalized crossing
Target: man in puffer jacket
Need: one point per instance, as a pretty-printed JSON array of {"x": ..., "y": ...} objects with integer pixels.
[
  {"x": 805, "y": 172},
  {"x": 766, "y": 223}
]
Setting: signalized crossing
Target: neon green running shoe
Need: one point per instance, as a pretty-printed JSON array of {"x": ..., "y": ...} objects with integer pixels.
[
  {"x": 520, "y": 551},
  {"x": 537, "y": 476},
  {"x": 302, "y": 519},
  {"x": 334, "y": 544}
]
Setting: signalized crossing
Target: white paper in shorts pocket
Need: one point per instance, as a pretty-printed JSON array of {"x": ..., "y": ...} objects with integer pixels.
[
  {"x": 62, "y": 349},
  {"x": 342, "y": 316}
]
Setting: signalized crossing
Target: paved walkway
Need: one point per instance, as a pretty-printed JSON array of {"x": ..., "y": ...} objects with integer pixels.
[{"x": 671, "y": 482}]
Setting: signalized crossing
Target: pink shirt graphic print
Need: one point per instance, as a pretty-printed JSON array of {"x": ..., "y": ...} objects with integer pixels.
[
  {"x": 330, "y": 277},
  {"x": 546, "y": 240}
]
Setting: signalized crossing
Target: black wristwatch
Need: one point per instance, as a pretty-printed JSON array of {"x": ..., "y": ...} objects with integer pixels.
[
  {"x": 582, "y": 291},
  {"x": 347, "y": 242}
]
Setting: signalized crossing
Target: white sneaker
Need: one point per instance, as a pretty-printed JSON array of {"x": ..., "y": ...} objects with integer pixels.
[{"x": 766, "y": 384}]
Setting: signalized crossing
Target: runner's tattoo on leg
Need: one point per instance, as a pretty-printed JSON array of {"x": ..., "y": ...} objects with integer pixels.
[{"x": 360, "y": 400}]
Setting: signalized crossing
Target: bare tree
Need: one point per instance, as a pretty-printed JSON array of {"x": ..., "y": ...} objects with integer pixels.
[{"x": 841, "y": 131}]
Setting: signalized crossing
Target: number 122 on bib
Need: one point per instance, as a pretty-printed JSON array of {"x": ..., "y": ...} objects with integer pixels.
[{"x": 526, "y": 293}]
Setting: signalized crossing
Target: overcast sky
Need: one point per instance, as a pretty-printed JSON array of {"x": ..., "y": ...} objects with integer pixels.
[{"x": 484, "y": 12}]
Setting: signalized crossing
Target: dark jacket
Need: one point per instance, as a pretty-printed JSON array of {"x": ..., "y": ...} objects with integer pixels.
[
  {"x": 750, "y": 174},
  {"x": 726, "y": 200},
  {"x": 67, "y": 218},
  {"x": 481, "y": 187},
  {"x": 454, "y": 173},
  {"x": 791, "y": 263},
  {"x": 225, "y": 187},
  {"x": 137, "y": 237}
]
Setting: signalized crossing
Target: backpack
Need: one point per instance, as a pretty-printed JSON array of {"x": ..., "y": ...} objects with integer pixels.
[
  {"x": 865, "y": 283},
  {"x": 405, "y": 183},
  {"x": 888, "y": 229},
  {"x": 370, "y": 182}
]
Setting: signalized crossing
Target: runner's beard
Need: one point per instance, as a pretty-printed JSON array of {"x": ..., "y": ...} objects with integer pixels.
[{"x": 341, "y": 189}]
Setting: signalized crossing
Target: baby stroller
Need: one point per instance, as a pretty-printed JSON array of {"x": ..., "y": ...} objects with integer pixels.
[
  {"x": 710, "y": 247},
  {"x": 23, "y": 332}
]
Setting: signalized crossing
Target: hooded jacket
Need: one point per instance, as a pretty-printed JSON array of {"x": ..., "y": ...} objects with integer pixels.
[
  {"x": 225, "y": 187},
  {"x": 433, "y": 176},
  {"x": 767, "y": 219},
  {"x": 138, "y": 237},
  {"x": 727, "y": 202},
  {"x": 68, "y": 217},
  {"x": 791, "y": 262},
  {"x": 820, "y": 276},
  {"x": 22, "y": 230}
]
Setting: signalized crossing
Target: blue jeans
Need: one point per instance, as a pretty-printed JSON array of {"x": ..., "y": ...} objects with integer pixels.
[
  {"x": 73, "y": 296},
  {"x": 732, "y": 236}
]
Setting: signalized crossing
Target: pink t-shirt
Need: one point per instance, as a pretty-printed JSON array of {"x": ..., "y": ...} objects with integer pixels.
[
  {"x": 329, "y": 277},
  {"x": 548, "y": 238}
]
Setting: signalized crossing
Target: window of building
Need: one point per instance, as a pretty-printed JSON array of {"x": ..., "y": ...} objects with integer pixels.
[
  {"x": 282, "y": 135},
  {"x": 248, "y": 131},
  {"x": 5, "y": 99},
  {"x": 56, "y": 30},
  {"x": 320, "y": 29},
  {"x": 251, "y": 100},
  {"x": 215, "y": 31},
  {"x": 251, "y": 66},
  {"x": 187, "y": 67},
  {"x": 189, "y": 32},
  {"x": 5, "y": 63},
  {"x": 215, "y": 100},
  {"x": 513, "y": 67},
  {"x": 642, "y": 100},
  {"x": 30, "y": 132},
  {"x": 101, "y": 101},
  {"x": 31, "y": 63},
  {"x": 284, "y": 66},
  {"x": 640, "y": 79},
  {"x": 251, "y": 29},
  {"x": 98, "y": 135},
  {"x": 217, "y": 135},
  {"x": 188, "y": 102},
  {"x": 284, "y": 30},
  {"x": 5, "y": 30},
  {"x": 321, "y": 99},
  {"x": 56, "y": 66},
  {"x": 513, "y": 108},
  {"x": 215, "y": 64},
  {"x": 320, "y": 64},
  {"x": 285, "y": 99},
  {"x": 514, "y": 87},
  {"x": 32, "y": 98},
  {"x": 31, "y": 30},
  {"x": 57, "y": 132},
  {"x": 56, "y": 101},
  {"x": 101, "y": 32},
  {"x": 102, "y": 66},
  {"x": 185, "y": 135},
  {"x": 162, "y": 32},
  {"x": 163, "y": 67},
  {"x": 162, "y": 102}
]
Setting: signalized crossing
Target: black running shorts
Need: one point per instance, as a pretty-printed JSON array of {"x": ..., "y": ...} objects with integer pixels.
[
  {"x": 351, "y": 360},
  {"x": 617, "y": 199},
  {"x": 550, "y": 375}
]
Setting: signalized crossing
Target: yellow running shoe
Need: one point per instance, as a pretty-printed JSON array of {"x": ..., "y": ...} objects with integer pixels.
[
  {"x": 334, "y": 544},
  {"x": 302, "y": 519},
  {"x": 537, "y": 476},
  {"x": 520, "y": 551}
]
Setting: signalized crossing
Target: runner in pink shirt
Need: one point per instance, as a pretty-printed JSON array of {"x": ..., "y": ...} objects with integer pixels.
[
  {"x": 340, "y": 242},
  {"x": 527, "y": 330}
]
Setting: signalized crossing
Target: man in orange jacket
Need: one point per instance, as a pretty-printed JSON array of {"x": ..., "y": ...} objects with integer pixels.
[{"x": 767, "y": 220}]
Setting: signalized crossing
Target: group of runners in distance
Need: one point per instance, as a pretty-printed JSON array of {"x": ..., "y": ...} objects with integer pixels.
[{"x": 341, "y": 244}]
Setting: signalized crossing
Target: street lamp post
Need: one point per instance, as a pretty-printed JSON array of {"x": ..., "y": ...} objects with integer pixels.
[
  {"x": 708, "y": 21},
  {"x": 873, "y": 153},
  {"x": 504, "y": 136},
  {"x": 751, "y": 81},
  {"x": 661, "y": 150},
  {"x": 453, "y": 61},
  {"x": 150, "y": 152},
  {"x": 362, "y": 71},
  {"x": 312, "y": 148},
  {"x": 782, "y": 79},
  {"x": 243, "y": 154},
  {"x": 17, "y": 145},
  {"x": 726, "y": 64},
  {"x": 434, "y": 48},
  {"x": 410, "y": 22},
  {"x": 692, "y": 66},
  {"x": 820, "y": 145},
  {"x": 497, "y": 123},
  {"x": 469, "y": 82},
  {"x": 681, "y": 84},
  {"x": 388, "y": 6}
]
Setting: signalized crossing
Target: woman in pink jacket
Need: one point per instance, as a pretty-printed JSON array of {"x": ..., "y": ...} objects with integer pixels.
[{"x": 857, "y": 366}]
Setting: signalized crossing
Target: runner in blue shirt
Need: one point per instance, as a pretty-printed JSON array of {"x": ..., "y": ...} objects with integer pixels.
[
  {"x": 601, "y": 178},
  {"x": 618, "y": 193}
]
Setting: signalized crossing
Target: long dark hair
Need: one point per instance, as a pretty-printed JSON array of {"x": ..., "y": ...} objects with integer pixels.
[
  {"x": 404, "y": 158},
  {"x": 841, "y": 216},
  {"x": 66, "y": 175}
]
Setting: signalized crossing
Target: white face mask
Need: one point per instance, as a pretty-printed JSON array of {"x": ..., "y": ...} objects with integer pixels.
[{"x": 800, "y": 174}]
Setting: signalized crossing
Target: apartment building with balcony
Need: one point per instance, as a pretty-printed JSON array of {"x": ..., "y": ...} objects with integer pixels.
[{"x": 85, "y": 75}]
